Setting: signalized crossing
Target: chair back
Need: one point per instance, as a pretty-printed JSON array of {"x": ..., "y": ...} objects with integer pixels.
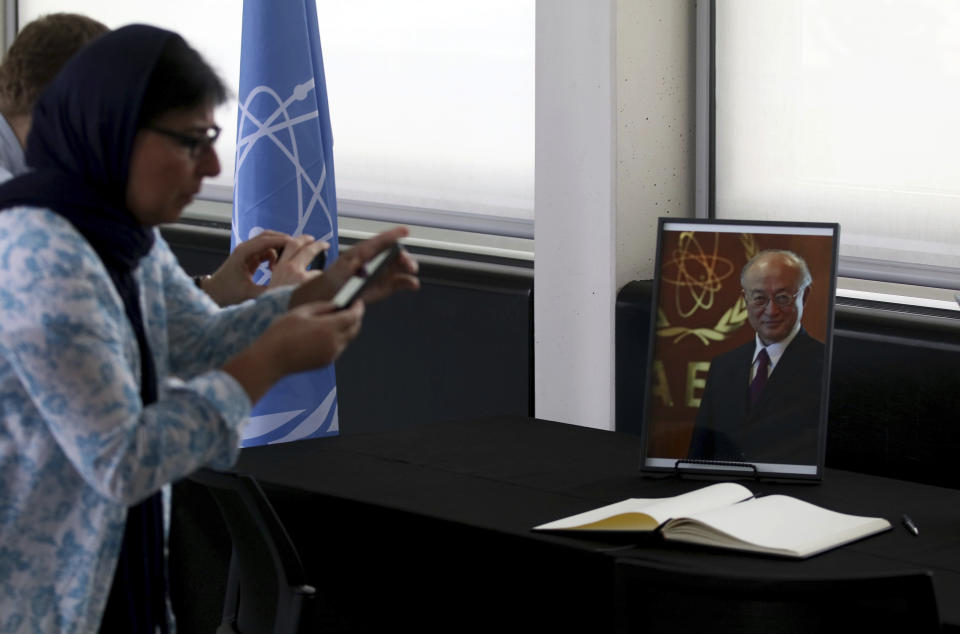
[
  {"x": 266, "y": 585},
  {"x": 652, "y": 597}
]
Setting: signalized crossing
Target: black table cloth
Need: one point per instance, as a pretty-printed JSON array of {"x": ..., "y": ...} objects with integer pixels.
[{"x": 429, "y": 527}]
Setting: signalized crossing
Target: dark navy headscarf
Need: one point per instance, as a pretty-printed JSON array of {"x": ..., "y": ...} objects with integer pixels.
[{"x": 79, "y": 148}]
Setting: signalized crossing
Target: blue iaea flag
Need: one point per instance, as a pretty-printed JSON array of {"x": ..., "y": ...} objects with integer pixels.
[{"x": 284, "y": 181}]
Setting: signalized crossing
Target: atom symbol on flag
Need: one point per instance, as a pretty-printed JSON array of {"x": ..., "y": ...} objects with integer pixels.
[{"x": 279, "y": 128}]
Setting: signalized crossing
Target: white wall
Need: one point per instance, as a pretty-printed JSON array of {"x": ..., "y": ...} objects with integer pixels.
[
  {"x": 655, "y": 126},
  {"x": 614, "y": 151}
]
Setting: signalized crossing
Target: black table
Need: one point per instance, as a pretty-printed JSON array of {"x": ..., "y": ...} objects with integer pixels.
[{"x": 429, "y": 527}]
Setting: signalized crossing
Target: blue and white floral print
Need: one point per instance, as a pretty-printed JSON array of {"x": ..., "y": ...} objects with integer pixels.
[{"x": 76, "y": 444}]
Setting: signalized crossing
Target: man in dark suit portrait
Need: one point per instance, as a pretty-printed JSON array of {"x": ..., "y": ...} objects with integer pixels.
[{"x": 761, "y": 402}]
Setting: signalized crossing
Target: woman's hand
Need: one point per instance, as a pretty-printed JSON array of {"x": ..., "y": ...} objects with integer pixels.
[
  {"x": 400, "y": 275},
  {"x": 310, "y": 336},
  {"x": 290, "y": 267},
  {"x": 233, "y": 282}
]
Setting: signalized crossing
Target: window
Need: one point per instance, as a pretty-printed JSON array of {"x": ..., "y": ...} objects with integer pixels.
[
  {"x": 844, "y": 112},
  {"x": 432, "y": 102}
]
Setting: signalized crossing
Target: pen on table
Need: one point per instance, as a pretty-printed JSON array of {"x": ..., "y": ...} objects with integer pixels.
[{"x": 911, "y": 527}]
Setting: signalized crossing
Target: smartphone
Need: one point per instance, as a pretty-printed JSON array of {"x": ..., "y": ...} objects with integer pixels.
[
  {"x": 352, "y": 288},
  {"x": 319, "y": 260}
]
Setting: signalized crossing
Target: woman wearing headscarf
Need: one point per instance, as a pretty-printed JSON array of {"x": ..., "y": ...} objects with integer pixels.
[{"x": 118, "y": 375}]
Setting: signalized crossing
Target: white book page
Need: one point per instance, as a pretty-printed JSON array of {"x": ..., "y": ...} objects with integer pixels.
[
  {"x": 781, "y": 523},
  {"x": 660, "y": 509}
]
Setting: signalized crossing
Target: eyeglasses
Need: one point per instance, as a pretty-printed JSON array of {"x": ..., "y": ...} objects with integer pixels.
[
  {"x": 196, "y": 144},
  {"x": 782, "y": 300}
]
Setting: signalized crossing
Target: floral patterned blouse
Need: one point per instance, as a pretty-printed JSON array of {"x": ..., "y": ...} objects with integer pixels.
[{"x": 77, "y": 447}]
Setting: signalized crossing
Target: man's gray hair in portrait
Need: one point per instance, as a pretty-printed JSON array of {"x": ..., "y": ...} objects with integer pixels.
[{"x": 799, "y": 262}]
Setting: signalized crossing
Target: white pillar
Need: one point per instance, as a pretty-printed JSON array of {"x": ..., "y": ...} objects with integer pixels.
[
  {"x": 614, "y": 151},
  {"x": 575, "y": 214}
]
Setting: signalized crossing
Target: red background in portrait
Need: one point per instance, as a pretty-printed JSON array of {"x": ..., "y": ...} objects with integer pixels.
[{"x": 700, "y": 292}]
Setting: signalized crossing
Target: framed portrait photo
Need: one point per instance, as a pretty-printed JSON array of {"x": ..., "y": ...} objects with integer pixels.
[{"x": 738, "y": 375}]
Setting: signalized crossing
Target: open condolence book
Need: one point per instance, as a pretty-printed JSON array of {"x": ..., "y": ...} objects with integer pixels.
[{"x": 728, "y": 516}]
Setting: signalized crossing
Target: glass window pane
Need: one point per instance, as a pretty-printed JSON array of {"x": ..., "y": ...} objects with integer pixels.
[
  {"x": 432, "y": 102},
  {"x": 843, "y": 112}
]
